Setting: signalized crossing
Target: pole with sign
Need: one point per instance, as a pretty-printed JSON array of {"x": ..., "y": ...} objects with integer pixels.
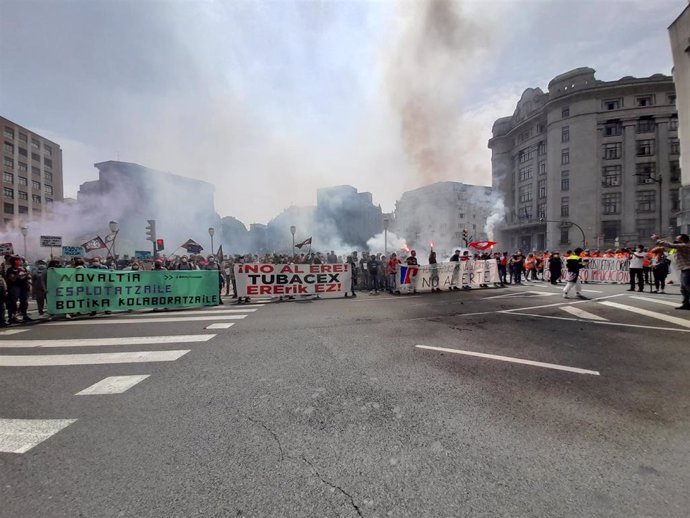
[{"x": 50, "y": 242}]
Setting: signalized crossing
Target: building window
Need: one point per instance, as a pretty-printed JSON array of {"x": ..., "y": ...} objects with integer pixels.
[
  {"x": 645, "y": 147},
  {"x": 8, "y": 162},
  {"x": 674, "y": 170},
  {"x": 613, "y": 150},
  {"x": 541, "y": 211},
  {"x": 23, "y": 195},
  {"x": 48, "y": 150},
  {"x": 673, "y": 123},
  {"x": 646, "y": 201},
  {"x": 611, "y": 229},
  {"x": 9, "y": 193},
  {"x": 646, "y": 125},
  {"x": 36, "y": 157},
  {"x": 565, "y": 180},
  {"x": 613, "y": 128},
  {"x": 9, "y": 132},
  {"x": 611, "y": 202},
  {"x": 525, "y": 193},
  {"x": 565, "y": 206},
  {"x": 36, "y": 198},
  {"x": 611, "y": 175},
  {"x": 612, "y": 104},
  {"x": 542, "y": 168},
  {"x": 541, "y": 189},
  {"x": 565, "y": 112},
  {"x": 565, "y": 236},
  {"x": 524, "y": 155},
  {"x": 49, "y": 200},
  {"x": 672, "y": 99},
  {"x": 645, "y": 172},
  {"x": 22, "y": 138},
  {"x": 565, "y": 156},
  {"x": 49, "y": 177},
  {"x": 22, "y": 167},
  {"x": 9, "y": 208},
  {"x": 523, "y": 136},
  {"x": 525, "y": 173},
  {"x": 48, "y": 162},
  {"x": 35, "y": 144},
  {"x": 645, "y": 228},
  {"x": 540, "y": 128},
  {"x": 36, "y": 185},
  {"x": 9, "y": 148},
  {"x": 23, "y": 209},
  {"x": 525, "y": 212},
  {"x": 642, "y": 101},
  {"x": 541, "y": 148},
  {"x": 7, "y": 177},
  {"x": 49, "y": 189},
  {"x": 674, "y": 146},
  {"x": 674, "y": 195},
  {"x": 22, "y": 152},
  {"x": 565, "y": 134},
  {"x": 23, "y": 180},
  {"x": 35, "y": 170}
]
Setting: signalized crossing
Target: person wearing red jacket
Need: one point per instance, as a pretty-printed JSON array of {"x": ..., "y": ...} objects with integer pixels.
[{"x": 391, "y": 269}]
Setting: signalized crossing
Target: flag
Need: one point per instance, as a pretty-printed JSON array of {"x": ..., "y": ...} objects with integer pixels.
[
  {"x": 219, "y": 254},
  {"x": 482, "y": 245},
  {"x": 305, "y": 242},
  {"x": 94, "y": 244},
  {"x": 192, "y": 246}
]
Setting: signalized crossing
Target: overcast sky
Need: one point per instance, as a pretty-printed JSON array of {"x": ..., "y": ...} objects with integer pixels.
[{"x": 271, "y": 100}]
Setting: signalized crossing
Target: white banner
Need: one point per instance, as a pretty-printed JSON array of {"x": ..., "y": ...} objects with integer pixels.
[
  {"x": 600, "y": 269},
  {"x": 410, "y": 279},
  {"x": 325, "y": 280}
]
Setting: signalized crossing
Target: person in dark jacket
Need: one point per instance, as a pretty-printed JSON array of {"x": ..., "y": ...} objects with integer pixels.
[
  {"x": 18, "y": 281},
  {"x": 555, "y": 267}
]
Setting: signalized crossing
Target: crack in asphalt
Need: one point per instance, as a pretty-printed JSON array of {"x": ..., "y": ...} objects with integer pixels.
[
  {"x": 273, "y": 434},
  {"x": 334, "y": 486}
]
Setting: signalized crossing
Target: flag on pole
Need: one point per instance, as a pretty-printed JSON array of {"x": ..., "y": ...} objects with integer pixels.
[
  {"x": 482, "y": 245},
  {"x": 219, "y": 254},
  {"x": 192, "y": 246},
  {"x": 94, "y": 244},
  {"x": 305, "y": 242}
]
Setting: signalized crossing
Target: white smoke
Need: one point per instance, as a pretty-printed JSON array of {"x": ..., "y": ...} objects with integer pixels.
[
  {"x": 377, "y": 244},
  {"x": 498, "y": 212}
]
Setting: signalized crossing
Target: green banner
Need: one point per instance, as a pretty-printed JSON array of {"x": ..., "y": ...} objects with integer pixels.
[{"x": 74, "y": 290}]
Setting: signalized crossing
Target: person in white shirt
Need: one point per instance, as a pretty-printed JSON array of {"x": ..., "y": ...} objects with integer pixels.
[{"x": 637, "y": 268}]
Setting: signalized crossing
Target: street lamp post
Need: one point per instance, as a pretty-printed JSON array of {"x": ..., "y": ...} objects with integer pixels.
[
  {"x": 584, "y": 239},
  {"x": 386, "y": 222},
  {"x": 114, "y": 229},
  {"x": 293, "y": 229},
  {"x": 211, "y": 231},
  {"x": 24, "y": 232}
]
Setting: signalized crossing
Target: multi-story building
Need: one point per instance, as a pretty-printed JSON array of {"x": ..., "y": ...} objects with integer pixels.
[
  {"x": 440, "y": 212},
  {"x": 350, "y": 215},
  {"x": 31, "y": 173},
  {"x": 679, "y": 33},
  {"x": 590, "y": 161}
]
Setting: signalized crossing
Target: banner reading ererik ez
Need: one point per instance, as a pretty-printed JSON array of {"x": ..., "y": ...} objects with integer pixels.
[
  {"x": 71, "y": 290},
  {"x": 325, "y": 280}
]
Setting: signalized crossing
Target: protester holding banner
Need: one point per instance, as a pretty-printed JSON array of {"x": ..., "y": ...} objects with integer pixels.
[
  {"x": 660, "y": 268},
  {"x": 637, "y": 268},
  {"x": 38, "y": 282},
  {"x": 682, "y": 258}
]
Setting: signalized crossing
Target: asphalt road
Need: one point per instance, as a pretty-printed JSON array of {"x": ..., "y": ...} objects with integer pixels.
[{"x": 329, "y": 408}]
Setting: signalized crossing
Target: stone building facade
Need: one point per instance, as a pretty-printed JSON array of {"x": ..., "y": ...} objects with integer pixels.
[{"x": 589, "y": 162}]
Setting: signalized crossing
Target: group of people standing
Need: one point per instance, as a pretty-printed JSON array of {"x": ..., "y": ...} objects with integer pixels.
[{"x": 17, "y": 283}]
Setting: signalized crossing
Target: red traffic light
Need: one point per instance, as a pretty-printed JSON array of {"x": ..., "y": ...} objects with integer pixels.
[{"x": 160, "y": 244}]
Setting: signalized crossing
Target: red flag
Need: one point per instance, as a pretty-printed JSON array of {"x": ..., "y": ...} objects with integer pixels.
[{"x": 482, "y": 245}]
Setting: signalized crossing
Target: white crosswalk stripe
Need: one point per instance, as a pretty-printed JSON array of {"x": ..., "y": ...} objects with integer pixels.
[
  {"x": 53, "y": 360},
  {"x": 94, "y": 342},
  {"x": 653, "y": 314},
  {"x": 581, "y": 313},
  {"x": 112, "y": 385},
  {"x": 655, "y": 300},
  {"x": 151, "y": 320},
  {"x": 184, "y": 313},
  {"x": 20, "y": 435}
]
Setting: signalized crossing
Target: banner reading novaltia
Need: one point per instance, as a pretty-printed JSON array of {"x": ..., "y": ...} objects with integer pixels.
[
  {"x": 411, "y": 279},
  {"x": 292, "y": 279},
  {"x": 73, "y": 290}
]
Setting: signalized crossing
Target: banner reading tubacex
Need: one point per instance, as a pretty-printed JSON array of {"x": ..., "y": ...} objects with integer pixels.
[
  {"x": 73, "y": 290},
  {"x": 292, "y": 279}
]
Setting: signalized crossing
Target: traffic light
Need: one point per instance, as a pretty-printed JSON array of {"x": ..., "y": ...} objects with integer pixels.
[
  {"x": 151, "y": 231},
  {"x": 160, "y": 245}
]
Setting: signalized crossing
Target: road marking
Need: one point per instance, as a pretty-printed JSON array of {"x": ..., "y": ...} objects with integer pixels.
[
  {"x": 221, "y": 325},
  {"x": 581, "y": 313},
  {"x": 619, "y": 324},
  {"x": 521, "y": 294},
  {"x": 112, "y": 385},
  {"x": 658, "y": 301},
  {"x": 653, "y": 314},
  {"x": 512, "y": 360},
  {"x": 95, "y": 342},
  {"x": 132, "y": 321},
  {"x": 8, "y": 332},
  {"x": 49, "y": 360},
  {"x": 20, "y": 435},
  {"x": 561, "y": 303},
  {"x": 182, "y": 314}
]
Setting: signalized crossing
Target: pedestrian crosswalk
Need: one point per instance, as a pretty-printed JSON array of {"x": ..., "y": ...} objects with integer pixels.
[{"x": 19, "y": 348}]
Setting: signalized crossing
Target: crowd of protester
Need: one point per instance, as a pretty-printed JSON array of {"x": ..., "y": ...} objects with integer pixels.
[{"x": 371, "y": 272}]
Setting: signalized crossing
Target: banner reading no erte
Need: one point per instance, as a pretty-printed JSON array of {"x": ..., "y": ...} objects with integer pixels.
[{"x": 292, "y": 279}]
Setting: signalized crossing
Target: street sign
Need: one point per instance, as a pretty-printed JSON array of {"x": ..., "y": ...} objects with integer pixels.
[
  {"x": 72, "y": 251},
  {"x": 142, "y": 254},
  {"x": 51, "y": 241},
  {"x": 6, "y": 248}
]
